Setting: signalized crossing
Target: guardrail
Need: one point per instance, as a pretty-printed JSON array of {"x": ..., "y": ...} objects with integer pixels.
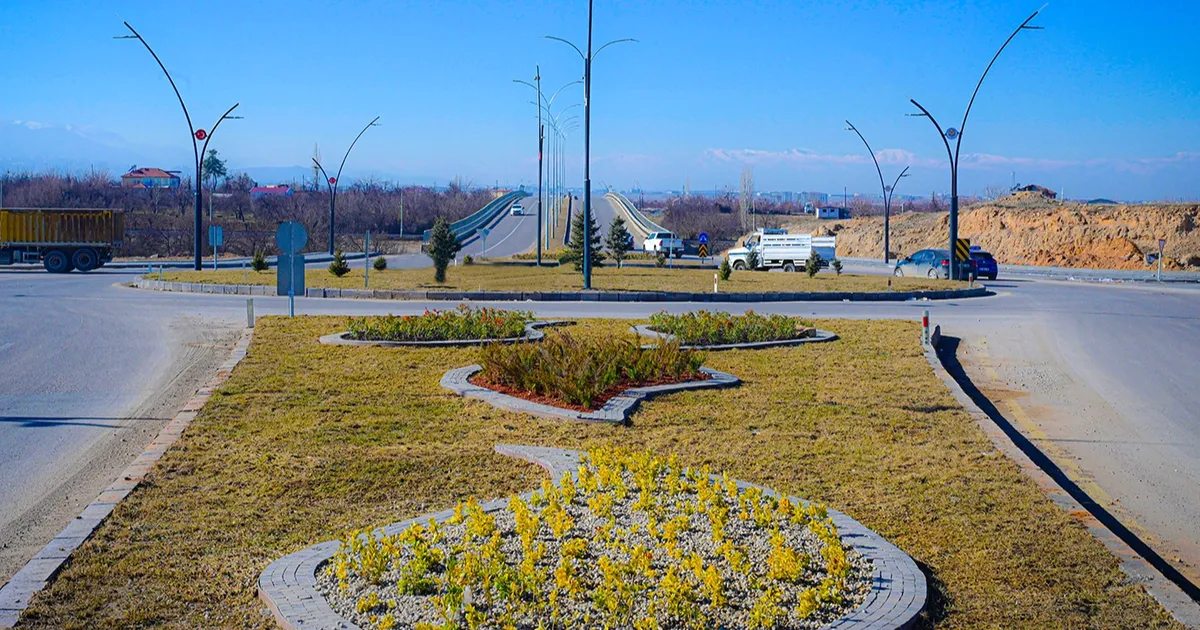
[
  {"x": 639, "y": 220},
  {"x": 464, "y": 229}
]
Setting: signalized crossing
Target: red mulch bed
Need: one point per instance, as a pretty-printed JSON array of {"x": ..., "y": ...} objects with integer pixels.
[{"x": 609, "y": 393}]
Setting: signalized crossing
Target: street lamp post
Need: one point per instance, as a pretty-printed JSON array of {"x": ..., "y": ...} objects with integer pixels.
[
  {"x": 587, "y": 140},
  {"x": 332, "y": 182},
  {"x": 542, "y": 104},
  {"x": 887, "y": 193},
  {"x": 198, "y": 151},
  {"x": 955, "y": 135}
]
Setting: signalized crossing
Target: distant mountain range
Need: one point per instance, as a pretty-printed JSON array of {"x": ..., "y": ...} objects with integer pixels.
[{"x": 28, "y": 146}]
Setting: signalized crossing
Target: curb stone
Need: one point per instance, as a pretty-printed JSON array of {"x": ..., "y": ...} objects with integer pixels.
[
  {"x": 818, "y": 337},
  {"x": 38, "y": 572},
  {"x": 616, "y": 410},
  {"x": 568, "y": 296},
  {"x": 531, "y": 334},
  {"x": 1166, "y": 593},
  {"x": 288, "y": 586}
]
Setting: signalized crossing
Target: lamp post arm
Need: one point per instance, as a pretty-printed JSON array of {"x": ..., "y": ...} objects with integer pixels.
[
  {"x": 949, "y": 153},
  {"x": 360, "y": 134},
  {"x": 872, "y": 152},
  {"x": 326, "y": 175},
  {"x": 213, "y": 131},
  {"x": 170, "y": 80},
  {"x": 559, "y": 39},
  {"x": 898, "y": 178},
  {"x": 1024, "y": 25},
  {"x": 615, "y": 41}
]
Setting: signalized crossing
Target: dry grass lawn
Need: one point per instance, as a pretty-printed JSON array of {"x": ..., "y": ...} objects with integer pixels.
[
  {"x": 307, "y": 441},
  {"x": 496, "y": 277}
]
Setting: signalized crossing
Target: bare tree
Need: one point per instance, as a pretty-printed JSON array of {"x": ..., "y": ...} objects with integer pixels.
[{"x": 747, "y": 200}]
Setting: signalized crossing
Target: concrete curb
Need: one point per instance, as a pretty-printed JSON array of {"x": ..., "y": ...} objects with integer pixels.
[
  {"x": 565, "y": 296},
  {"x": 34, "y": 576},
  {"x": 818, "y": 337},
  {"x": 616, "y": 410},
  {"x": 531, "y": 334},
  {"x": 898, "y": 589},
  {"x": 1170, "y": 596}
]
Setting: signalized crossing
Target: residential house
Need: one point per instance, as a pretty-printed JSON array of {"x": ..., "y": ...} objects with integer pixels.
[
  {"x": 149, "y": 178},
  {"x": 830, "y": 212}
]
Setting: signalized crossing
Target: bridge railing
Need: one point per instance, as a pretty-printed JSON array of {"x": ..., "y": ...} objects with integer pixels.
[
  {"x": 465, "y": 229},
  {"x": 639, "y": 220}
]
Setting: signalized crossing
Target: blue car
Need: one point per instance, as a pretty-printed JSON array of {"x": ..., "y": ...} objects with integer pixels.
[{"x": 984, "y": 263}]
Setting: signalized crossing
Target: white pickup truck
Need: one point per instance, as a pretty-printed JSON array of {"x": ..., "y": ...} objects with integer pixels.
[
  {"x": 663, "y": 242},
  {"x": 778, "y": 249}
]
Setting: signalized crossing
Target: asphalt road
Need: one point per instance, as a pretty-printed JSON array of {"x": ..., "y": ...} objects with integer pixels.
[{"x": 1103, "y": 377}]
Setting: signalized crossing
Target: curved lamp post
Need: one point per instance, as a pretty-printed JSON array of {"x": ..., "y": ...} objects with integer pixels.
[
  {"x": 541, "y": 104},
  {"x": 955, "y": 136},
  {"x": 887, "y": 193},
  {"x": 198, "y": 136},
  {"x": 587, "y": 139},
  {"x": 332, "y": 182},
  {"x": 556, "y": 137}
]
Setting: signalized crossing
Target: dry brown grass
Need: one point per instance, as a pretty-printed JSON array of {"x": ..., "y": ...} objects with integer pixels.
[
  {"x": 307, "y": 441},
  {"x": 498, "y": 277}
]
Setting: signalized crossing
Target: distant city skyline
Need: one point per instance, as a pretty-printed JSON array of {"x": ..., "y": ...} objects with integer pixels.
[{"x": 707, "y": 90}]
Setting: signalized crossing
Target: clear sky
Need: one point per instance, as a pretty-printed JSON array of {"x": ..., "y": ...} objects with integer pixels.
[{"x": 1105, "y": 102}]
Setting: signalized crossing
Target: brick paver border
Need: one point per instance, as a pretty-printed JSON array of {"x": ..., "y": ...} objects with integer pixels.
[
  {"x": 531, "y": 334},
  {"x": 37, "y": 573},
  {"x": 568, "y": 296},
  {"x": 817, "y": 337},
  {"x": 616, "y": 410},
  {"x": 898, "y": 589}
]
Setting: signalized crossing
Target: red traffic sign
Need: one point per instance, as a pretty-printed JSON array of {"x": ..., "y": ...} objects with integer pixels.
[
  {"x": 332, "y": 180},
  {"x": 201, "y": 134}
]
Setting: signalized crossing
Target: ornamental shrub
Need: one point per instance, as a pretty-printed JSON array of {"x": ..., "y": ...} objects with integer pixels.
[
  {"x": 706, "y": 328},
  {"x": 726, "y": 270},
  {"x": 339, "y": 267},
  {"x": 468, "y": 260},
  {"x": 258, "y": 262},
  {"x": 752, "y": 259},
  {"x": 380, "y": 264},
  {"x": 813, "y": 264},
  {"x": 443, "y": 247},
  {"x": 462, "y": 323},
  {"x": 836, "y": 263}
]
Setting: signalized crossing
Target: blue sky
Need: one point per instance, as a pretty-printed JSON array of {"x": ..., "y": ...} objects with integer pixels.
[{"x": 1105, "y": 102}]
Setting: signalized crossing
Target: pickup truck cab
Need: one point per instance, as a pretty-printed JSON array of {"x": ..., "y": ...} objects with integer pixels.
[{"x": 663, "y": 242}]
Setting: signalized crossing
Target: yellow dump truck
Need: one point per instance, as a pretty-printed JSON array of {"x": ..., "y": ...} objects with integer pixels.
[{"x": 60, "y": 239}]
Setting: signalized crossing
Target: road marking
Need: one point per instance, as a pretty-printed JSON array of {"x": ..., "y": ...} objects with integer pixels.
[{"x": 514, "y": 231}]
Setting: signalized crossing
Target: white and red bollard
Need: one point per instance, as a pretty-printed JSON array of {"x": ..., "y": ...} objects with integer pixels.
[
  {"x": 714, "y": 283},
  {"x": 925, "y": 328}
]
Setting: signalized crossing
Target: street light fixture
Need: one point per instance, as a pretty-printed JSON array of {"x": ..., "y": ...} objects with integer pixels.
[
  {"x": 197, "y": 135},
  {"x": 955, "y": 135},
  {"x": 587, "y": 139},
  {"x": 541, "y": 144},
  {"x": 332, "y": 182},
  {"x": 888, "y": 191}
]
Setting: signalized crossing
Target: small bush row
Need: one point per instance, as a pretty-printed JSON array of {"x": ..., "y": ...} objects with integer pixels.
[
  {"x": 580, "y": 372},
  {"x": 712, "y": 328},
  {"x": 462, "y": 323}
]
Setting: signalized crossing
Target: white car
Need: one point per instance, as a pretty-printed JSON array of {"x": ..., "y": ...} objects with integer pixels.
[
  {"x": 663, "y": 242},
  {"x": 517, "y": 210}
]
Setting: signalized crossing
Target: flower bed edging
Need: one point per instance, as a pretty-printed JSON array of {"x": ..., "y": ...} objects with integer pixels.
[
  {"x": 818, "y": 337},
  {"x": 288, "y": 586},
  {"x": 616, "y": 410},
  {"x": 531, "y": 334}
]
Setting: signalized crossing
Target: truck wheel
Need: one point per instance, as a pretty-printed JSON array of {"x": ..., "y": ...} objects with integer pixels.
[
  {"x": 85, "y": 259},
  {"x": 739, "y": 266},
  {"x": 56, "y": 261},
  {"x": 899, "y": 273},
  {"x": 789, "y": 266}
]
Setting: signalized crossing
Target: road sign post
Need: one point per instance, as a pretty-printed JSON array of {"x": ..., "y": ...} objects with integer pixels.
[
  {"x": 1162, "y": 244},
  {"x": 291, "y": 237},
  {"x": 216, "y": 238},
  {"x": 703, "y": 252},
  {"x": 367, "y": 261},
  {"x": 483, "y": 234}
]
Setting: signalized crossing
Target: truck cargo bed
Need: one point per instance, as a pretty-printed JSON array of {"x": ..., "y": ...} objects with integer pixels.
[{"x": 72, "y": 227}]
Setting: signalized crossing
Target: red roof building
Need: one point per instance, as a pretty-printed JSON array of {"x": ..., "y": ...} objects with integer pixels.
[{"x": 149, "y": 178}]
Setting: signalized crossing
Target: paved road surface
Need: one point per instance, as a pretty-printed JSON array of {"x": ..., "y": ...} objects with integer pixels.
[{"x": 1102, "y": 377}]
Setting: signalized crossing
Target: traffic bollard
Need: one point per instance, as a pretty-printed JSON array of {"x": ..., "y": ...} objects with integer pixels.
[
  {"x": 925, "y": 328},
  {"x": 714, "y": 283},
  {"x": 250, "y": 313}
]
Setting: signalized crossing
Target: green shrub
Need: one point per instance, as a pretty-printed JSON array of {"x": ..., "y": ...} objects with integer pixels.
[
  {"x": 619, "y": 241},
  {"x": 582, "y": 371},
  {"x": 713, "y": 328},
  {"x": 836, "y": 263},
  {"x": 380, "y": 264},
  {"x": 574, "y": 254},
  {"x": 726, "y": 270},
  {"x": 339, "y": 267},
  {"x": 461, "y": 323},
  {"x": 813, "y": 264},
  {"x": 442, "y": 248},
  {"x": 660, "y": 259},
  {"x": 258, "y": 262},
  {"x": 752, "y": 259},
  {"x": 468, "y": 260}
]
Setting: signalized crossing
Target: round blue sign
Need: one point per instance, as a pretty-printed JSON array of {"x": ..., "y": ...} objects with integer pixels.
[
  {"x": 291, "y": 237},
  {"x": 704, "y": 238}
]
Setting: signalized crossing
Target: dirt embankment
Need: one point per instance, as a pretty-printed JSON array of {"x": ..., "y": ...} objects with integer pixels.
[{"x": 1025, "y": 232}]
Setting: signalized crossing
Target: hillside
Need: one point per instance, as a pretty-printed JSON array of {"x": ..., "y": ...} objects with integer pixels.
[{"x": 1035, "y": 232}]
